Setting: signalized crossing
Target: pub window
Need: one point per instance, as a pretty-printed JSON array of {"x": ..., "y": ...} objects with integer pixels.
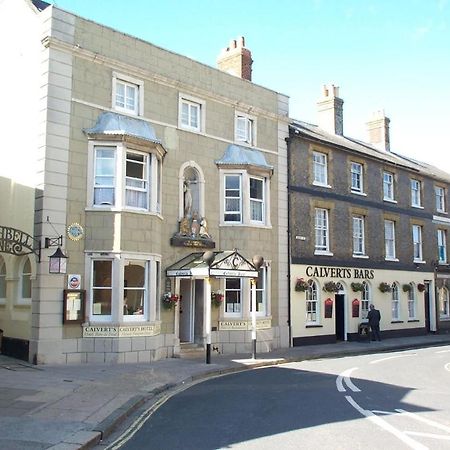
[
  {"x": 233, "y": 297},
  {"x": 312, "y": 303},
  {"x": 395, "y": 302}
]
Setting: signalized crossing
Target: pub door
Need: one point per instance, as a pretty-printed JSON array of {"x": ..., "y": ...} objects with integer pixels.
[
  {"x": 191, "y": 311},
  {"x": 339, "y": 300}
]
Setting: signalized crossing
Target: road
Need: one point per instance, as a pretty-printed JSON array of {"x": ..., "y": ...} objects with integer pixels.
[{"x": 387, "y": 400}]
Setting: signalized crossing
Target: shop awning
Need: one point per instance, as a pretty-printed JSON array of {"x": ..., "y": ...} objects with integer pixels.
[{"x": 226, "y": 264}]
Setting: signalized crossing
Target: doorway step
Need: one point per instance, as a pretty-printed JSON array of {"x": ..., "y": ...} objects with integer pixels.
[{"x": 191, "y": 350}]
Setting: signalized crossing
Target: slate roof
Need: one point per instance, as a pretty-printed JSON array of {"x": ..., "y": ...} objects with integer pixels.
[{"x": 315, "y": 133}]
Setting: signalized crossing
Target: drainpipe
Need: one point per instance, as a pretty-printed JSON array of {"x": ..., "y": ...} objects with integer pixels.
[{"x": 289, "y": 238}]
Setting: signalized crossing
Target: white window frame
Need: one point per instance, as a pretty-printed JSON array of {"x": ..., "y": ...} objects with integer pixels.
[
  {"x": 416, "y": 193},
  {"x": 245, "y": 128},
  {"x": 439, "y": 192},
  {"x": 417, "y": 243},
  {"x": 411, "y": 302},
  {"x": 191, "y": 103},
  {"x": 388, "y": 186},
  {"x": 312, "y": 304},
  {"x": 261, "y": 290},
  {"x": 138, "y": 85},
  {"x": 442, "y": 244},
  {"x": 22, "y": 299},
  {"x": 321, "y": 232},
  {"x": 395, "y": 302},
  {"x": 153, "y": 181},
  {"x": 240, "y": 292},
  {"x": 118, "y": 262},
  {"x": 320, "y": 169},
  {"x": 260, "y": 202},
  {"x": 389, "y": 240},
  {"x": 144, "y": 180},
  {"x": 245, "y": 201},
  {"x": 359, "y": 245},
  {"x": 444, "y": 303},
  {"x": 357, "y": 177},
  {"x": 366, "y": 299},
  {"x": 144, "y": 288}
]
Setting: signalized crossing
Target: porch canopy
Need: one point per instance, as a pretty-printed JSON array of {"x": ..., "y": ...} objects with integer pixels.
[{"x": 226, "y": 264}]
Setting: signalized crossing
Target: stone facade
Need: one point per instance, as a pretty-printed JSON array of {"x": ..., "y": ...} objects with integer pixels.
[{"x": 124, "y": 127}]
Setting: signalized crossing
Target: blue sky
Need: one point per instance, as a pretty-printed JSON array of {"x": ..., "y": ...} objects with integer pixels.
[{"x": 384, "y": 54}]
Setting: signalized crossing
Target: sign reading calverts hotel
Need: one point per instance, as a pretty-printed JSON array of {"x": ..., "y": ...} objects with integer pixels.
[
  {"x": 339, "y": 272},
  {"x": 16, "y": 242}
]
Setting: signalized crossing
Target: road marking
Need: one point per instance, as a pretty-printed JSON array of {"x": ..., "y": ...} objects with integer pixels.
[
  {"x": 345, "y": 376},
  {"x": 391, "y": 357},
  {"x": 447, "y": 367},
  {"x": 383, "y": 424},
  {"x": 429, "y": 435},
  {"x": 424, "y": 420}
]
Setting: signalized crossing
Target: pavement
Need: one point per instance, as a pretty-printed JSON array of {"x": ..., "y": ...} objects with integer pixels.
[{"x": 76, "y": 406}]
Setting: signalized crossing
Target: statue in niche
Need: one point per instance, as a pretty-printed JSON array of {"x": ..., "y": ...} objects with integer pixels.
[
  {"x": 185, "y": 227},
  {"x": 187, "y": 198}
]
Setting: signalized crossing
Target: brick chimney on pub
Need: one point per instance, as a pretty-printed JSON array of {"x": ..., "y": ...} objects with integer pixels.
[{"x": 236, "y": 59}]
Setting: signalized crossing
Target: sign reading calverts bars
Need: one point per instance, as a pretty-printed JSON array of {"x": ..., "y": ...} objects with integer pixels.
[{"x": 17, "y": 242}]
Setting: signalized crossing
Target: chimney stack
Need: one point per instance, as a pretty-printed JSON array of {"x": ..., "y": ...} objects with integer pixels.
[
  {"x": 330, "y": 111},
  {"x": 236, "y": 59},
  {"x": 378, "y": 131}
]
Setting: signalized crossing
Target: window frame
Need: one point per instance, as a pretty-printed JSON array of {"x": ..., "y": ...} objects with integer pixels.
[
  {"x": 444, "y": 303},
  {"x": 190, "y": 101},
  {"x": 254, "y": 200},
  {"x": 366, "y": 299},
  {"x": 440, "y": 198},
  {"x": 245, "y": 201},
  {"x": 395, "y": 302},
  {"x": 3, "y": 278},
  {"x": 22, "y": 299},
  {"x": 417, "y": 243},
  {"x": 246, "y": 123},
  {"x": 126, "y": 80},
  {"x": 121, "y": 150},
  {"x": 321, "y": 232},
  {"x": 356, "y": 178},
  {"x": 388, "y": 239},
  {"x": 442, "y": 243},
  {"x": 416, "y": 193},
  {"x": 312, "y": 303},
  {"x": 320, "y": 169},
  {"x": 411, "y": 296},
  {"x": 240, "y": 292},
  {"x": 261, "y": 288},
  {"x": 359, "y": 234},
  {"x": 388, "y": 186},
  {"x": 145, "y": 289}
]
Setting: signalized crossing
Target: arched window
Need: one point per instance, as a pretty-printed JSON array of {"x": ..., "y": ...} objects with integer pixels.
[
  {"x": 411, "y": 302},
  {"x": 312, "y": 303},
  {"x": 25, "y": 281},
  {"x": 2, "y": 280},
  {"x": 444, "y": 310},
  {"x": 395, "y": 302},
  {"x": 365, "y": 300}
]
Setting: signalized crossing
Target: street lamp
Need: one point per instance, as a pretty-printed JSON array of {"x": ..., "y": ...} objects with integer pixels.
[
  {"x": 58, "y": 262},
  {"x": 257, "y": 262},
  {"x": 208, "y": 258}
]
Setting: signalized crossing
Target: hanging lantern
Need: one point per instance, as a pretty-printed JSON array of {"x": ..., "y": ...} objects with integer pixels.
[{"x": 58, "y": 262}]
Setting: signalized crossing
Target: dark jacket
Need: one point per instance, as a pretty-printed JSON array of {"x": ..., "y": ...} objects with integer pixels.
[{"x": 374, "y": 317}]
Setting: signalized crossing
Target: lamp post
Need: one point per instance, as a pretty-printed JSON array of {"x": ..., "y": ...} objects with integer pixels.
[
  {"x": 58, "y": 262},
  {"x": 208, "y": 257},
  {"x": 257, "y": 262}
]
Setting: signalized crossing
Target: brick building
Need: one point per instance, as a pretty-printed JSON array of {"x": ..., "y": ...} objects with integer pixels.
[
  {"x": 140, "y": 161},
  {"x": 367, "y": 225}
]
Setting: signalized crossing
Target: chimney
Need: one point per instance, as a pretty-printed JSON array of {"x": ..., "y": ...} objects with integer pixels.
[
  {"x": 378, "y": 131},
  {"x": 330, "y": 111},
  {"x": 236, "y": 59}
]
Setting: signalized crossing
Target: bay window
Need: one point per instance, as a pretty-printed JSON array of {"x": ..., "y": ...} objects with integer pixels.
[{"x": 233, "y": 297}]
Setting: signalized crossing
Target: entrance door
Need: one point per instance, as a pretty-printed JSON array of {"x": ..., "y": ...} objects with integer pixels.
[
  {"x": 187, "y": 310},
  {"x": 339, "y": 300},
  {"x": 427, "y": 306}
]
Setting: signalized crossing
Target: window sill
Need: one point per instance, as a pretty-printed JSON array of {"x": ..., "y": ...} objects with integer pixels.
[
  {"x": 442, "y": 263},
  {"x": 314, "y": 326},
  {"x": 360, "y": 256},
  {"x": 323, "y": 253},
  {"x": 191, "y": 130},
  {"x": 397, "y": 321},
  {"x": 247, "y": 225},
  {"x": 439, "y": 211},
  {"x": 122, "y": 210},
  {"x": 390, "y": 200},
  {"x": 419, "y": 261},
  {"x": 392, "y": 259},
  {"x": 315, "y": 183},
  {"x": 444, "y": 318},
  {"x": 417, "y": 206},
  {"x": 362, "y": 194},
  {"x": 413, "y": 320}
]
